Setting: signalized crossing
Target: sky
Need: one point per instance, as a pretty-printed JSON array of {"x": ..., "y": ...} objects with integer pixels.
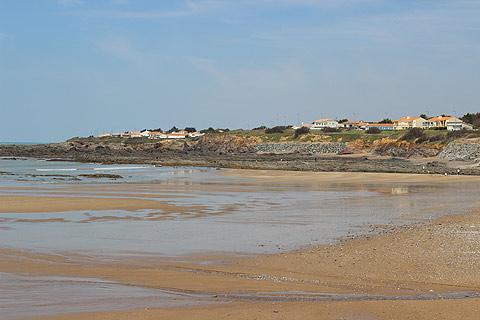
[{"x": 80, "y": 67}]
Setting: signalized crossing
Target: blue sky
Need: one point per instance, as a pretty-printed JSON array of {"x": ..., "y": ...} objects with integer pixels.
[{"x": 80, "y": 67}]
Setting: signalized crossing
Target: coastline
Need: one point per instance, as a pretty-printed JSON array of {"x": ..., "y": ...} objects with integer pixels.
[
  {"x": 410, "y": 271},
  {"x": 360, "y": 162}
]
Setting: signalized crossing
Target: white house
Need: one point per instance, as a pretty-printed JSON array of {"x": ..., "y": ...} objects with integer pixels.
[
  {"x": 177, "y": 135},
  {"x": 411, "y": 122},
  {"x": 451, "y": 123},
  {"x": 135, "y": 134},
  {"x": 195, "y": 134},
  {"x": 145, "y": 133},
  {"x": 455, "y": 124},
  {"x": 324, "y": 123},
  {"x": 104, "y": 135}
]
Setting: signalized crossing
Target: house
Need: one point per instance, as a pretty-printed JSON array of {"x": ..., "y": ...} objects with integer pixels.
[
  {"x": 381, "y": 126},
  {"x": 177, "y": 135},
  {"x": 450, "y": 123},
  {"x": 125, "y": 134},
  {"x": 104, "y": 135},
  {"x": 195, "y": 134},
  {"x": 135, "y": 134},
  {"x": 156, "y": 135},
  {"x": 306, "y": 125},
  {"x": 455, "y": 124},
  {"x": 324, "y": 123},
  {"x": 439, "y": 122},
  {"x": 410, "y": 122},
  {"x": 354, "y": 125},
  {"x": 145, "y": 133}
]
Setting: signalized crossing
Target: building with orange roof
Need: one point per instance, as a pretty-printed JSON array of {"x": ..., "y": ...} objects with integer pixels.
[
  {"x": 440, "y": 122},
  {"x": 450, "y": 123},
  {"x": 410, "y": 122}
]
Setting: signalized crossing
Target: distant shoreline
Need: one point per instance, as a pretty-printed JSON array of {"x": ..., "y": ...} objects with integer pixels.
[{"x": 7, "y": 143}]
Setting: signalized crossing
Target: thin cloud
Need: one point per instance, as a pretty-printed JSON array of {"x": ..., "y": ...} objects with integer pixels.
[
  {"x": 187, "y": 8},
  {"x": 70, "y": 3}
]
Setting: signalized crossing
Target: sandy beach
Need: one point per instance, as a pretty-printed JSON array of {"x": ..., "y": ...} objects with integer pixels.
[{"x": 429, "y": 270}]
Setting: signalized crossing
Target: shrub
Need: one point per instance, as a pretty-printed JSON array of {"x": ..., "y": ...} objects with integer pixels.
[
  {"x": 277, "y": 129},
  {"x": 373, "y": 130},
  {"x": 190, "y": 129},
  {"x": 457, "y": 134},
  {"x": 328, "y": 129},
  {"x": 413, "y": 134},
  {"x": 301, "y": 130},
  {"x": 439, "y": 128},
  {"x": 422, "y": 139},
  {"x": 436, "y": 138},
  {"x": 260, "y": 128}
]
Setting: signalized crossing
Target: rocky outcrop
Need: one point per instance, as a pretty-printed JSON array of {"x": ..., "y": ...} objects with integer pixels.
[
  {"x": 223, "y": 144},
  {"x": 404, "y": 149},
  {"x": 467, "y": 150},
  {"x": 304, "y": 148}
]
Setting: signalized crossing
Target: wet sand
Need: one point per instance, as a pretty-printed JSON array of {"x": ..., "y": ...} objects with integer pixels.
[
  {"x": 34, "y": 204},
  {"x": 387, "y": 274},
  {"x": 371, "y": 310},
  {"x": 346, "y": 177}
]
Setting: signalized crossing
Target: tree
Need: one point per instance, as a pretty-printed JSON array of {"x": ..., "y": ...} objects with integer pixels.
[
  {"x": 209, "y": 130},
  {"x": 342, "y": 120},
  {"x": 190, "y": 129},
  {"x": 386, "y": 120},
  {"x": 174, "y": 129},
  {"x": 424, "y": 116},
  {"x": 472, "y": 118}
]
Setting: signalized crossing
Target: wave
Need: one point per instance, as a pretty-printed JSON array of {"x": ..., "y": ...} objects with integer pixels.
[
  {"x": 57, "y": 169},
  {"x": 120, "y": 168}
]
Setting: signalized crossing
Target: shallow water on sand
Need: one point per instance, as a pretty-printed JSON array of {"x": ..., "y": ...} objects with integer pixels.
[
  {"x": 23, "y": 297},
  {"x": 207, "y": 212}
]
